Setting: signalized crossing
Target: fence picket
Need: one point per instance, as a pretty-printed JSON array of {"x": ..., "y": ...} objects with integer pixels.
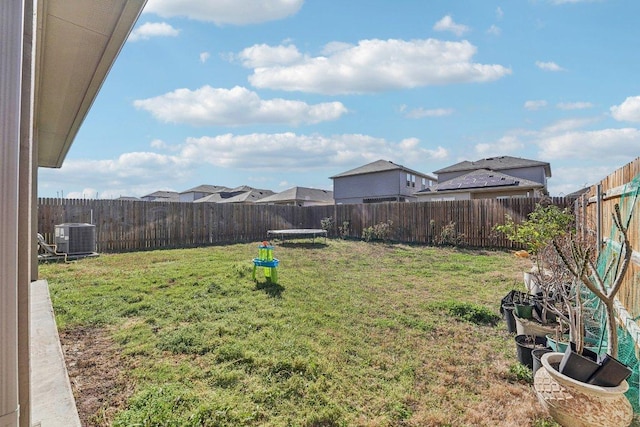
[{"x": 123, "y": 225}]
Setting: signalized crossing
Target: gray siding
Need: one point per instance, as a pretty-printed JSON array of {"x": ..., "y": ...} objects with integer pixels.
[
  {"x": 192, "y": 195},
  {"x": 355, "y": 188},
  {"x": 535, "y": 174}
]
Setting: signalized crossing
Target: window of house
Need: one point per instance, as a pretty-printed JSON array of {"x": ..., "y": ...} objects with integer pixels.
[{"x": 411, "y": 180}]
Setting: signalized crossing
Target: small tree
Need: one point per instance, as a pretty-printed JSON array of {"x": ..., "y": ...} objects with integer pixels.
[
  {"x": 541, "y": 227},
  {"x": 536, "y": 234},
  {"x": 327, "y": 224},
  {"x": 561, "y": 293},
  {"x": 380, "y": 231},
  {"x": 344, "y": 229},
  {"x": 605, "y": 285}
]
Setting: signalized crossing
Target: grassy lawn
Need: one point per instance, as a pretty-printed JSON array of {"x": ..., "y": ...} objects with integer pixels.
[{"x": 354, "y": 334}]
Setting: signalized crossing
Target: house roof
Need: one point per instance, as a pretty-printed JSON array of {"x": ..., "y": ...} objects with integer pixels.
[
  {"x": 300, "y": 194},
  {"x": 379, "y": 166},
  {"x": 225, "y": 194},
  {"x": 578, "y": 193},
  {"x": 77, "y": 43},
  {"x": 170, "y": 195},
  {"x": 204, "y": 188},
  {"x": 243, "y": 188},
  {"x": 496, "y": 164},
  {"x": 212, "y": 198},
  {"x": 481, "y": 179},
  {"x": 251, "y": 196}
]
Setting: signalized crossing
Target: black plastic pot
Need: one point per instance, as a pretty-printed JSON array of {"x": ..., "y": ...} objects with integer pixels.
[
  {"x": 580, "y": 367},
  {"x": 610, "y": 373},
  {"x": 536, "y": 354},
  {"x": 524, "y": 345},
  {"x": 507, "y": 313}
]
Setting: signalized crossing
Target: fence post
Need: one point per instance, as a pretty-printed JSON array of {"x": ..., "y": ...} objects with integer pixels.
[{"x": 599, "y": 217}]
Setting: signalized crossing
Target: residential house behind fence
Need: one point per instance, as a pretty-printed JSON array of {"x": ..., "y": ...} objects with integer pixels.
[
  {"x": 379, "y": 181},
  {"x": 490, "y": 178}
]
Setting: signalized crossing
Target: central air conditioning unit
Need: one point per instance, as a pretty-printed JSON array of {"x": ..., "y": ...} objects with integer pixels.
[{"x": 75, "y": 238}]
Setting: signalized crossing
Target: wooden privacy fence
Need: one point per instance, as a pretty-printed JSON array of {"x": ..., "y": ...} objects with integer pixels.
[
  {"x": 124, "y": 225},
  {"x": 594, "y": 214}
]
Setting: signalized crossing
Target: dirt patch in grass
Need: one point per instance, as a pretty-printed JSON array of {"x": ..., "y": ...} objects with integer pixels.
[{"x": 96, "y": 373}]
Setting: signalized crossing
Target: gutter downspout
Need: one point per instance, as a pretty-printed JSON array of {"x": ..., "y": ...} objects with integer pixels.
[{"x": 11, "y": 50}]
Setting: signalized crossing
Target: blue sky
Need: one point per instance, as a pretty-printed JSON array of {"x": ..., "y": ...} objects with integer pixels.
[{"x": 281, "y": 93}]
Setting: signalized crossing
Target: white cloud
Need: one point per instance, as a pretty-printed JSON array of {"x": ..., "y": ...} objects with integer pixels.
[
  {"x": 419, "y": 113},
  {"x": 628, "y": 111},
  {"x": 535, "y": 105},
  {"x": 574, "y": 105},
  {"x": 153, "y": 29},
  {"x": 209, "y": 106},
  {"x": 566, "y": 143},
  {"x": 565, "y": 126},
  {"x": 237, "y": 12},
  {"x": 499, "y": 13},
  {"x": 262, "y": 55},
  {"x": 334, "y": 47},
  {"x": 508, "y": 144},
  {"x": 158, "y": 144},
  {"x": 568, "y": 179},
  {"x": 371, "y": 66},
  {"x": 549, "y": 66},
  {"x": 294, "y": 152},
  {"x": 132, "y": 174},
  {"x": 85, "y": 193},
  {"x": 494, "y": 30},
  {"x": 257, "y": 154},
  {"x": 204, "y": 57},
  {"x": 447, "y": 24},
  {"x": 598, "y": 144}
]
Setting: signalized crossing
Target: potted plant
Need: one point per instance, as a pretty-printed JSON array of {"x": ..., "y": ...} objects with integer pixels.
[
  {"x": 567, "y": 305},
  {"x": 580, "y": 263},
  {"x": 525, "y": 344},
  {"x": 586, "y": 399},
  {"x": 542, "y": 225}
]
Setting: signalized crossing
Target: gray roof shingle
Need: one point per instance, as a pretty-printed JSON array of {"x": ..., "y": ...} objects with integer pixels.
[
  {"x": 481, "y": 178},
  {"x": 250, "y": 196},
  {"x": 301, "y": 194},
  {"x": 205, "y": 188},
  {"x": 378, "y": 166},
  {"x": 496, "y": 164}
]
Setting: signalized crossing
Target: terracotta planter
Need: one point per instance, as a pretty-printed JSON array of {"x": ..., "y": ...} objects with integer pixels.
[{"x": 577, "y": 404}]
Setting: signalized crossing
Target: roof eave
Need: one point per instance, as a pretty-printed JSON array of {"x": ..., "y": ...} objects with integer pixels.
[
  {"x": 60, "y": 109},
  {"x": 485, "y": 189}
]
